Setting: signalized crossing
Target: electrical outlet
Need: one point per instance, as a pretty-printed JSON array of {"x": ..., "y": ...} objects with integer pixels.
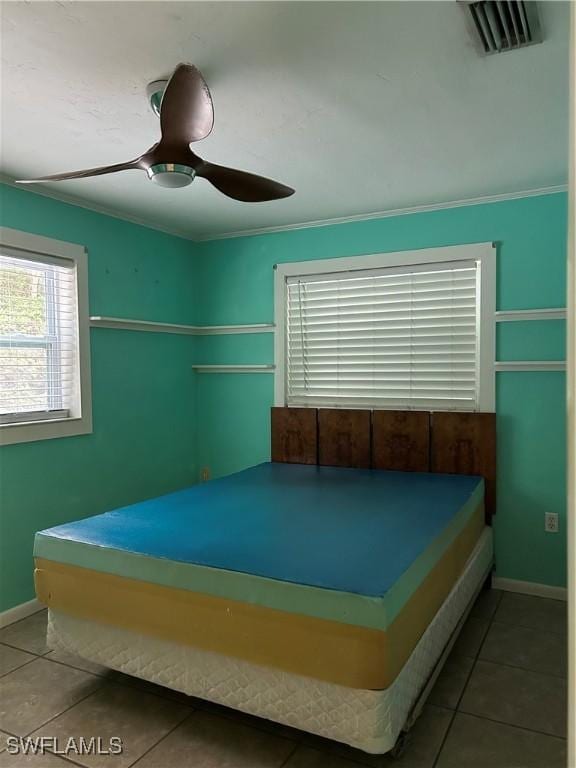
[
  {"x": 205, "y": 474},
  {"x": 551, "y": 522}
]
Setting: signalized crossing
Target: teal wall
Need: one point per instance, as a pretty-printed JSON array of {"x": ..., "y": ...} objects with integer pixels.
[
  {"x": 143, "y": 386},
  {"x": 235, "y": 285},
  {"x": 157, "y": 424}
]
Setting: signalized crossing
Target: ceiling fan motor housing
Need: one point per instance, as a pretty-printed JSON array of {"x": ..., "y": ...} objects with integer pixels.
[
  {"x": 171, "y": 175},
  {"x": 167, "y": 175}
]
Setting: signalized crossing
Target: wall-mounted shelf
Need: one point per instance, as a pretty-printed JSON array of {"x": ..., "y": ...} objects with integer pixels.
[
  {"x": 234, "y": 368},
  {"x": 215, "y": 330},
  {"x": 530, "y": 365},
  {"x": 507, "y": 316},
  {"x": 125, "y": 324}
]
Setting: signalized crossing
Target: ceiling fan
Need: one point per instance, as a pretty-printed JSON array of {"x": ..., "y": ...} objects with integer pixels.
[{"x": 186, "y": 115}]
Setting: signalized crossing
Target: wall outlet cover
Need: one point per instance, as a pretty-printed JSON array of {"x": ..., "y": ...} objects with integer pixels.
[{"x": 551, "y": 522}]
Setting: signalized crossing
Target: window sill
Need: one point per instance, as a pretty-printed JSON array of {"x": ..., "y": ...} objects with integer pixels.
[{"x": 31, "y": 431}]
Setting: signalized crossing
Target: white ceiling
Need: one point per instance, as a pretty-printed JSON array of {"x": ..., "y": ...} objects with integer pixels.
[{"x": 361, "y": 106}]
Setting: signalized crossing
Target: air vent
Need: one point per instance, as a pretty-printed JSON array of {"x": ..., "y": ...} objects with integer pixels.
[{"x": 503, "y": 25}]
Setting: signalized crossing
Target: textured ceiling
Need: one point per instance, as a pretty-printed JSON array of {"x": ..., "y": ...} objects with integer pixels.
[{"x": 361, "y": 107}]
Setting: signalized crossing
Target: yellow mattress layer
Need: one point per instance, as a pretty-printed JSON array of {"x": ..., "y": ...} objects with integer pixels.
[{"x": 344, "y": 654}]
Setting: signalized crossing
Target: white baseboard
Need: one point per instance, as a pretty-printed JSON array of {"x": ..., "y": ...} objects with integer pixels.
[
  {"x": 529, "y": 588},
  {"x": 20, "y": 612}
]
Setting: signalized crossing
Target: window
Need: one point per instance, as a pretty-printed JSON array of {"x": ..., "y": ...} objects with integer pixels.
[
  {"x": 405, "y": 330},
  {"x": 44, "y": 355}
]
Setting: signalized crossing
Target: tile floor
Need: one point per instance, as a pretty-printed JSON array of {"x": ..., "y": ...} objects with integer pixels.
[{"x": 500, "y": 702}]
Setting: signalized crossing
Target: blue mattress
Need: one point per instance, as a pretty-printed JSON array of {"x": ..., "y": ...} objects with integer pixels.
[{"x": 350, "y": 530}]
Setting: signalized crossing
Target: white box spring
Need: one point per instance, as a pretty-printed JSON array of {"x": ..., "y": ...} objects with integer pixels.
[{"x": 368, "y": 720}]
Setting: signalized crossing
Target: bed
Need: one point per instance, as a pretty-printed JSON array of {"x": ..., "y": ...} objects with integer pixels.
[{"x": 320, "y": 590}]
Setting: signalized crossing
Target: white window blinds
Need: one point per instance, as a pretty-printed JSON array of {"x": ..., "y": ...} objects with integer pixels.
[
  {"x": 403, "y": 337},
  {"x": 38, "y": 337}
]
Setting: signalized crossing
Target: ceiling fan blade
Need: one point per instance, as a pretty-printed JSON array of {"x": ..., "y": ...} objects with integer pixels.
[
  {"x": 186, "y": 111},
  {"x": 243, "y": 186},
  {"x": 104, "y": 169}
]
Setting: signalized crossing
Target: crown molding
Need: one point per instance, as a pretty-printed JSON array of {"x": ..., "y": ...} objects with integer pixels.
[
  {"x": 429, "y": 207},
  {"x": 537, "y": 192},
  {"x": 62, "y": 197}
]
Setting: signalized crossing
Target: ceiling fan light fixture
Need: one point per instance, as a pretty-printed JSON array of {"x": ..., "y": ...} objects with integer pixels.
[{"x": 171, "y": 175}]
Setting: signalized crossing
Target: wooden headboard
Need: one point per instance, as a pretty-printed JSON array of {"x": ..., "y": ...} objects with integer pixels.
[{"x": 408, "y": 441}]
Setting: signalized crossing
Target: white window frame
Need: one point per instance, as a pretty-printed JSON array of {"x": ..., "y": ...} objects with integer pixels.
[
  {"x": 79, "y": 420},
  {"x": 483, "y": 253}
]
